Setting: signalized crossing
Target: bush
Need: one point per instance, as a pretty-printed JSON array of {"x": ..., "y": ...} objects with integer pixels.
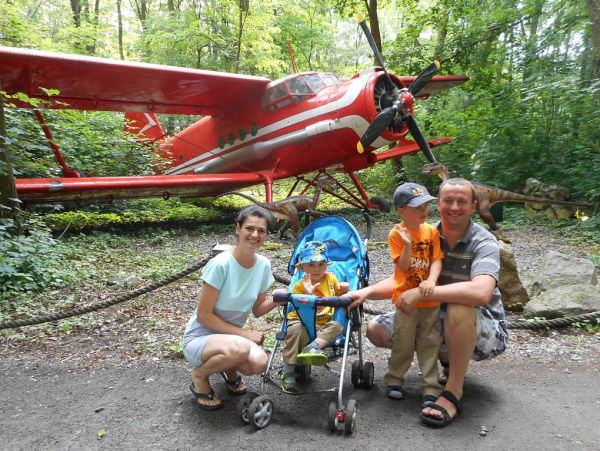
[{"x": 28, "y": 261}]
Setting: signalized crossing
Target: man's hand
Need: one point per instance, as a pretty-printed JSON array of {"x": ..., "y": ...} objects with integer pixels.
[
  {"x": 426, "y": 287},
  {"x": 309, "y": 287},
  {"x": 358, "y": 296},
  {"x": 408, "y": 300}
]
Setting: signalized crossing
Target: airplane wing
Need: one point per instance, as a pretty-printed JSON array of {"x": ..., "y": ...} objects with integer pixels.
[
  {"x": 406, "y": 147},
  {"x": 90, "y": 83},
  {"x": 107, "y": 189},
  {"x": 436, "y": 84}
]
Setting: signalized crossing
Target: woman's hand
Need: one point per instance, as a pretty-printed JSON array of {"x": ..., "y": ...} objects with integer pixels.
[{"x": 255, "y": 336}]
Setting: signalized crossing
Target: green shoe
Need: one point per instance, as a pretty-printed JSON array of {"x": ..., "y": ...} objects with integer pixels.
[
  {"x": 312, "y": 356},
  {"x": 288, "y": 383}
]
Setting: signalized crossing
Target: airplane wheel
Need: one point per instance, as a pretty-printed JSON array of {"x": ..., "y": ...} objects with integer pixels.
[
  {"x": 350, "y": 417},
  {"x": 243, "y": 406},
  {"x": 260, "y": 412},
  {"x": 332, "y": 416},
  {"x": 357, "y": 373},
  {"x": 368, "y": 374},
  {"x": 303, "y": 373},
  {"x": 383, "y": 204}
]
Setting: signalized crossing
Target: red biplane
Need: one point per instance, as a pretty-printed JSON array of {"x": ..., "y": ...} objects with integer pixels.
[{"x": 254, "y": 130}]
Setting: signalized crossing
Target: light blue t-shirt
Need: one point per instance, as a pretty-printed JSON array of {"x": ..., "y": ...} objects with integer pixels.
[{"x": 238, "y": 289}]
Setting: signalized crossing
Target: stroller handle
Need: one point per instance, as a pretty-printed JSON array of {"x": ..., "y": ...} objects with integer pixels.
[{"x": 328, "y": 301}]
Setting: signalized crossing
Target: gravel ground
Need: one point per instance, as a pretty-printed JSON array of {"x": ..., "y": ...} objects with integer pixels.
[{"x": 150, "y": 326}]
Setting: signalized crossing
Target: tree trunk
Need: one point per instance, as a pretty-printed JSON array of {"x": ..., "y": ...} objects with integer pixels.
[
  {"x": 531, "y": 45},
  {"x": 374, "y": 25},
  {"x": 8, "y": 192},
  {"x": 441, "y": 36},
  {"x": 91, "y": 49},
  {"x": 120, "y": 20},
  {"x": 594, "y": 10},
  {"x": 76, "y": 10},
  {"x": 244, "y": 6}
]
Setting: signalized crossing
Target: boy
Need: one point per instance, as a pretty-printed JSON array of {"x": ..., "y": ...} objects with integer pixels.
[
  {"x": 415, "y": 250},
  {"x": 312, "y": 260}
]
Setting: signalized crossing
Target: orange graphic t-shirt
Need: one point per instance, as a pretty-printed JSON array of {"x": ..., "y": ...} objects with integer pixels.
[{"x": 424, "y": 251}]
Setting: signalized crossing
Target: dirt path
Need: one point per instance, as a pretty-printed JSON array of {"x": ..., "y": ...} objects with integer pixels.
[{"x": 533, "y": 403}]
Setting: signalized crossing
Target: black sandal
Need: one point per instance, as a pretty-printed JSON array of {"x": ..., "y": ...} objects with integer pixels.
[
  {"x": 210, "y": 395},
  {"x": 447, "y": 419},
  {"x": 232, "y": 387}
]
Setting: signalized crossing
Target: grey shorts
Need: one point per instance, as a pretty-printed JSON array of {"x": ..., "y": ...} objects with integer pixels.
[
  {"x": 192, "y": 350},
  {"x": 491, "y": 337}
]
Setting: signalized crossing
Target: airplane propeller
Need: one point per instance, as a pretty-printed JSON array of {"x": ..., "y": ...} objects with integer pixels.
[{"x": 401, "y": 103}]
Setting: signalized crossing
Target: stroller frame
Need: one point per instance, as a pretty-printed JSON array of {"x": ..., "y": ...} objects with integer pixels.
[{"x": 257, "y": 409}]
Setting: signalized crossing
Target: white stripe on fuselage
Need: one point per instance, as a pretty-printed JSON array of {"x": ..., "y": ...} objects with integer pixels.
[
  {"x": 261, "y": 149},
  {"x": 351, "y": 94}
]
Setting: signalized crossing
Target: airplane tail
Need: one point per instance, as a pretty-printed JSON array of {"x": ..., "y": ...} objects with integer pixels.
[{"x": 145, "y": 126}]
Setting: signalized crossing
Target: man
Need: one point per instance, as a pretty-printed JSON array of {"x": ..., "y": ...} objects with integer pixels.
[{"x": 472, "y": 314}]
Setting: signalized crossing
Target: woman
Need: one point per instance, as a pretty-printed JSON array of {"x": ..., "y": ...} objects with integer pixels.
[{"x": 235, "y": 282}]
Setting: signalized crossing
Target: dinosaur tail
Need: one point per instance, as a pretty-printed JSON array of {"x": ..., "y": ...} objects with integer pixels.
[
  {"x": 245, "y": 196},
  {"x": 508, "y": 196}
]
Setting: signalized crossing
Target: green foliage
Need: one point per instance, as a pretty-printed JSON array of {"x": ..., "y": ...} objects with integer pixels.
[
  {"x": 152, "y": 211},
  {"x": 28, "y": 261}
]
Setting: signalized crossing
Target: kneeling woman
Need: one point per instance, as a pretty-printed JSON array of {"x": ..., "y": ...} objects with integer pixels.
[{"x": 235, "y": 283}]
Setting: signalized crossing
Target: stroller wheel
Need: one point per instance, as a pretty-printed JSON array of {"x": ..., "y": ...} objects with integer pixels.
[
  {"x": 243, "y": 406},
  {"x": 350, "y": 417},
  {"x": 368, "y": 374},
  {"x": 303, "y": 373},
  {"x": 332, "y": 416},
  {"x": 357, "y": 373},
  {"x": 260, "y": 412}
]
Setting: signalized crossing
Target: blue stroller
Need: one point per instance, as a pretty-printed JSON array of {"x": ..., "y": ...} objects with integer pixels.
[{"x": 348, "y": 256}]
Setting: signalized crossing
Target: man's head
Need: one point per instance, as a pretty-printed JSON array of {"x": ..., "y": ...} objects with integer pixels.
[
  {"x": 410, "y": 200},
  {"x": 313, "y": 260},
  {"x": 456, "y": 202}
]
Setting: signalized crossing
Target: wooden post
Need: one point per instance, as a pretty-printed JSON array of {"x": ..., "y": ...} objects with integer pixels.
[{"x": 8, "y": 192}]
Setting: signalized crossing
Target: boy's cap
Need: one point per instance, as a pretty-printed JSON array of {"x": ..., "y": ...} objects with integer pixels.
[
  {"x": 313, "y": 251},
  {"x": 411, "y": 195}
]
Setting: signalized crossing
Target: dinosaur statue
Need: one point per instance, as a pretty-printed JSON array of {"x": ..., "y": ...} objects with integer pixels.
[
  {"x": 290, "y": 208},
  {"x": 487, "y": 196}
]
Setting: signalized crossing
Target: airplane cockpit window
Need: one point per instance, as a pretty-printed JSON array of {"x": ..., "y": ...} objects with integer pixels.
[
  {"x": 330, "y": 79},
  {"x": 299, "y": 89},
  {"x": 315, "y": 82},
  {"x": 276, "y": 97}
]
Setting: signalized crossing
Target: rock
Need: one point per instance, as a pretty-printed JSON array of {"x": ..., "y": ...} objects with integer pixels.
[
  {"x": 512, "y": 290},
  {"x": 568, "y": 300},
  {"x": 557, "y": 270},
  {"x": 535, "y": 188}
]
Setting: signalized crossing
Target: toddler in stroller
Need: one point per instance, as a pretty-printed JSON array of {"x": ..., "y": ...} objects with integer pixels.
[
  {"x": 312, "y": 262},
  {"x": 340, "y": 250}
]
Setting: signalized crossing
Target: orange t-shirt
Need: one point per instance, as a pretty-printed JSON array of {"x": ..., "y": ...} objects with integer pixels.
[{"x": 424, "y": 251}]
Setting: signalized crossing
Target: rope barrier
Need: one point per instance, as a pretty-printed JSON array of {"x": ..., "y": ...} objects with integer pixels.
[
  {"x": 519, "y": 324},
  {"x": 92, "y": 308},
  {"x": 552, "y": 323}
]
